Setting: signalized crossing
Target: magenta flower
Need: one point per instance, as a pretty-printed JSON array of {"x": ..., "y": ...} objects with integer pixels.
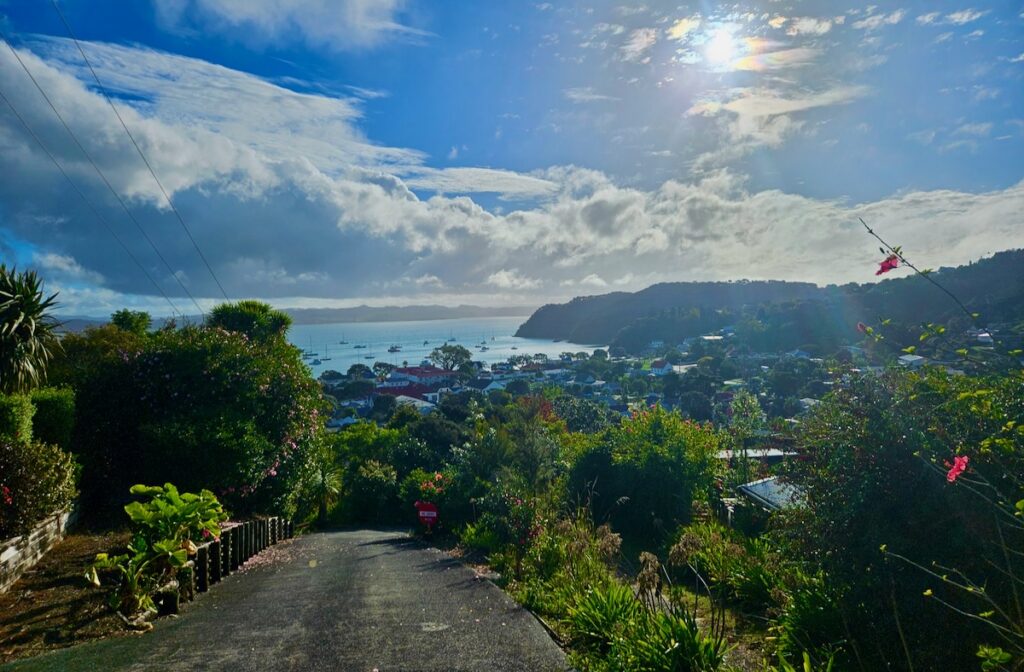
[
  {"x": 888, "y": 264},
  {"x": 958, "y": 467}
]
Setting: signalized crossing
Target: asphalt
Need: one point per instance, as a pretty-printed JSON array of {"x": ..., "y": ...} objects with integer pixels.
[{"x": 352, "y": 600}]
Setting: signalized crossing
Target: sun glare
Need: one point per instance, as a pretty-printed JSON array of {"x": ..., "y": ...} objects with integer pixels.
[{"x": 721, "y": 48}]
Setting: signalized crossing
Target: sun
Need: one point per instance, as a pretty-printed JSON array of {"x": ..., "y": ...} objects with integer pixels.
[{"x": 721, "y": 48}]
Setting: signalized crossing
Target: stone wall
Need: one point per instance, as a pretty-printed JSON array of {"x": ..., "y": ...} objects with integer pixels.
[{"x": 20, "y": 554}]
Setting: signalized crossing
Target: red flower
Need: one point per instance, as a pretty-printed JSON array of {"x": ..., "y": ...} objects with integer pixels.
[
  {"x": 5, "y": 492},
  {"x": 889, "y": 263},
  {"x": 959, "y": 466}
]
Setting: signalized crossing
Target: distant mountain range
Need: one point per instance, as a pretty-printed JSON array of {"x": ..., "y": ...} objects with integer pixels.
[
  {"x": 400, "y": 313},
  {"x": 76, "y": 323},
  {"x": 784, "y": 314}
]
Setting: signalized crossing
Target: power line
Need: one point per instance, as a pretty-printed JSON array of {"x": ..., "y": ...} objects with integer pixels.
[
  {"x": 99, "y": 172},
  {"x": 138, "y": 149},
  {"x": 95, "y": 211}
]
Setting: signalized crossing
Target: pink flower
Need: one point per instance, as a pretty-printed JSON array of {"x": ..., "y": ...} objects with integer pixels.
[
  {"x": 958, "y": 467},
  {"x": 5, "y": 492},
  {"x": 887, "y": 264},
  {"x": 862, "y": 328}
]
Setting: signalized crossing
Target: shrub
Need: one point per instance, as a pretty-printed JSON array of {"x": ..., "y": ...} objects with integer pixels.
[
  {"x": 36, "y": 480},
  {"x": 16, "y": 411},
  {"x": 54, "y": 421},
  {"x": 603, "y": 615},
  {"x": 667, "y": 642},
  {"x": 164, "y": 525},
  {"x": 644, "y": 475}
]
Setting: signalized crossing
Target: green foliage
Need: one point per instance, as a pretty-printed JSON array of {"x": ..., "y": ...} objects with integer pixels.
[
  {"x": 54, "y": 420},
  {"x": 16, "y": 412},
  {"x": 661, "y": 641},
  {"x": 603, "y": 615},
  {"x": 36, "y": 480},
  {"x": 645, "y": 474},
  {"x": 27, "y": 330},
  {"x": 258, "y": 321},
  {"x": 168, "y": 514},
  {"x": 165, "y": 524},
  {"x": 200, "y": 407},
  {"x": 450, "y": 357},
  {"x": 137, "y": 322},
  {"x": 372, "y": 490}
]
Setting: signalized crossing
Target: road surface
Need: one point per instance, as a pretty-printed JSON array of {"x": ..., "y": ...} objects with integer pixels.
[{"x": 352, "y": 600}]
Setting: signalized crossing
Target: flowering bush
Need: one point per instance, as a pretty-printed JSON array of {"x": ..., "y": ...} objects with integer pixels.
[
  {"x": 36, "y": 480},
  {"x": 199, "y": 406}
]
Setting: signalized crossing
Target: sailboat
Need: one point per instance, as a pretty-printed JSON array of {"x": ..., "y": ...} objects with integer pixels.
[{"x": 326, "y": 357}]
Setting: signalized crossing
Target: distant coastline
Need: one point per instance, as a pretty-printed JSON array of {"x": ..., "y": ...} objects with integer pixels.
[{"x": 401, "y": 313}]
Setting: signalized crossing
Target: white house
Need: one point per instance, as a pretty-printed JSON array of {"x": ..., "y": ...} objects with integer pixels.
[
  {"x": 912, "y": 361},
  {"x": 661, "y": 367}
]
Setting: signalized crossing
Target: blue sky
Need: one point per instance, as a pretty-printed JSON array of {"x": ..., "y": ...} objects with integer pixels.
[{"x": 331, "y": 152}]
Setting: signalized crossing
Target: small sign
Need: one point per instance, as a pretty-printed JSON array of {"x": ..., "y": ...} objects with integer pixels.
[{"x": 428, "y": 513}]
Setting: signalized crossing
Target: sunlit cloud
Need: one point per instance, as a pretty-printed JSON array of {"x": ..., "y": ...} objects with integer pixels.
[
  {"x": 682, "y": 28},
  {"x": 639, "y": 42},
  {"x": 876, "y": 21},
  {"x": 807, "y": 25},
  {"x": 759, "y": 60}
]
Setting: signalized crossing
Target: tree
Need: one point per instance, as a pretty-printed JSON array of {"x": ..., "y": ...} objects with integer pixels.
[
  {"x": 359, "y": 371},
  {"x": 601, "y": 354},
  {"x": 257, "y": 320},
  {"x": 696, "y": 406},
  {"x": 450, "y": 357},
  {"x": 518, "y": 387},
  {"x": 27, "y": 338},
  {"x": 382, "y": 369},
  {"x": 136, "y": 321}
]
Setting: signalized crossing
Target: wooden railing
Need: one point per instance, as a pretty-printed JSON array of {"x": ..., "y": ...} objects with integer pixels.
[{"x": 238, "y": 542}]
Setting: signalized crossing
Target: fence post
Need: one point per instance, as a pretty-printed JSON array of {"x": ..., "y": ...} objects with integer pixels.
[
  {"x": 215, "y": 562},
  {"x": 203, "y": 568}
]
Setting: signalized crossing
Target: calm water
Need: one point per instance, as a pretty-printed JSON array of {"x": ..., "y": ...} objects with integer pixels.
[{"x": 416, "y": 340}]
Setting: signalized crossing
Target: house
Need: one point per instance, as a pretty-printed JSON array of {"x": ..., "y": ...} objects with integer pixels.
[
  {"x": 912, "y": 361},
  {"x": 986, "y": 338},
  {"x": 424, "y": 407},
  {"x": 807, "y": 403},
  {"x": 408, "y": 390},
  {"x": 421, "y": 375},
  {"x": 661, "y": 367},
  {"x": 798, "y": 354}
]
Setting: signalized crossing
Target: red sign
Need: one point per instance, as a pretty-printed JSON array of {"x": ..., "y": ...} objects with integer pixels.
[{"x": 427, "y": 512}]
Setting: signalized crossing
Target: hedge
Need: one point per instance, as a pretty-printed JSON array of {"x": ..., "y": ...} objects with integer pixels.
[
  {"x": 16, "y": 412},
  {"x": 36, "y": 480},
  {"x": 54, "y": 421}
]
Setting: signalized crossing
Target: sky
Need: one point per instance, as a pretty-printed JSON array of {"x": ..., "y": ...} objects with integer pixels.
[{"x": 336, "y": 152}]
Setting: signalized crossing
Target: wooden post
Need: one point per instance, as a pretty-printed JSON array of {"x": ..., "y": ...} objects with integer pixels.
[
  {"x": 203, "y": 568},
  {"x": 236, "y": 547},
  {"x": 215, "y": 562}
]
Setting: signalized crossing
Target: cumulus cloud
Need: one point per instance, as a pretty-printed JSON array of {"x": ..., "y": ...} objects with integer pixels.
[
  {"x": 512, "y": 279},
  {"x": 335, "y": 25},
  {"x": 964, "y": 16},
  {"x": 354, "y": 224}
]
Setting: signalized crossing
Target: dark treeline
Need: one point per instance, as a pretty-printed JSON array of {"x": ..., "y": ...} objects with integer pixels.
[{"x": 783, "y": 315}]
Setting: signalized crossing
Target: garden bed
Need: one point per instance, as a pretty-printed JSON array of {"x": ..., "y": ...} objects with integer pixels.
[{"x": 52, "y": 606}]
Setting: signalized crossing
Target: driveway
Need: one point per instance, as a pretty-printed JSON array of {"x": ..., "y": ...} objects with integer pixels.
[{"x": 351, "y": 600}]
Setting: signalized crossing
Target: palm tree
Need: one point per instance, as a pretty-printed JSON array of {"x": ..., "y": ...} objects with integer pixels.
[
  {"x": 325, "y": 486},
  {"x": 27, "y": 330}
]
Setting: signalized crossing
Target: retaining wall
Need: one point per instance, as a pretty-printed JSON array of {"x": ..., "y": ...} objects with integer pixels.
[{"x": 20, "y": 554}]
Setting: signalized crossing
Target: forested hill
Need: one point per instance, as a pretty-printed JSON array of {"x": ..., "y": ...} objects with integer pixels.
[{"x": 792, "y": 312}]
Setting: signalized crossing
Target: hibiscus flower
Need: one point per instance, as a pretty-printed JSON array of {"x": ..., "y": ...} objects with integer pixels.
[
  {"x": 887, "y": 264},
  {"x": 958, "y": 467}
]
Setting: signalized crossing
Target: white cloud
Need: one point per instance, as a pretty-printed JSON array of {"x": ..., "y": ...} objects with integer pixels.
[
  {"x": 586, "y": 94},
  {"x": 477, "y": 180},
  {"x": 639, "y": 42},
  {"x": 964, "y": 16},
  {"x": 593, "y": 280},
  {"x": 924, "y": 137},
  {"x": 335, "y": 25},
  {"x": 683, "y": 28},
  {"x": 943, "y": 37},
  {"x": 977, "y": 129},
  {"x": 453, "y": 153},
  {"x": 512, "y": 279},
  {"x": 1018, "y": 59},
  {"x": 929, "y": 18},
  {"x": 64, "y": 267},
  {"x": 806, "y": 25},
  {"x": 876, "y": 21}
]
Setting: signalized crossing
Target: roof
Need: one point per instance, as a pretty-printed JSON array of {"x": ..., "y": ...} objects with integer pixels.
[
  {"x": 413, "y": 390},
  {"x": 418, "y": 404},
  {"x": 424, "y": 372},
  {"x": 770, "y": 493},
  {"x": 659, "y": 364}
]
